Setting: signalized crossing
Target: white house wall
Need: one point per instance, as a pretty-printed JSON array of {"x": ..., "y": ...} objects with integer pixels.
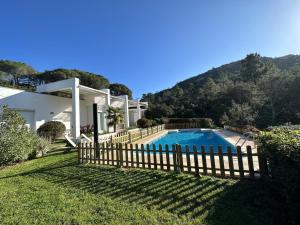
[
  {"x": 45, "y": 107},
  {"x": 117, "y": 103}
]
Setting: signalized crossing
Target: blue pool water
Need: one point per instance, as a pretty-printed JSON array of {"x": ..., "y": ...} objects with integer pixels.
[{"x": 198, "y": 138}]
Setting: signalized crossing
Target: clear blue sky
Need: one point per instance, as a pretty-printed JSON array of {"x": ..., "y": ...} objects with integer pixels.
[{"x": 148, "y": 45}]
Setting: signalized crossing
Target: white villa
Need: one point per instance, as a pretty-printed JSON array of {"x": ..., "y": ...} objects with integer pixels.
[{"x": 75, "y": 109}]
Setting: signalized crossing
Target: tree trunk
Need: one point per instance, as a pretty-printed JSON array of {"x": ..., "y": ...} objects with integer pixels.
[{"x": 115, "y": 127}]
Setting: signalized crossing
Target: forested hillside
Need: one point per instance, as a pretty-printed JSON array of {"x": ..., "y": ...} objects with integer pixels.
[
  {"x": 257, "y": 90},
  {"x": 21, "y": 75}
]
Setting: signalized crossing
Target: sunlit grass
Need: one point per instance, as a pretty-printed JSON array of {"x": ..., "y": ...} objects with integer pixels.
[{"x": 56, "y": 190}]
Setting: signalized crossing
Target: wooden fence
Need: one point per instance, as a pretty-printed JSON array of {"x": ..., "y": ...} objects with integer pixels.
[
  {"x": 189, "y": 125},
  {"x": 215, "y": 162},
  {"x": 132, "y": 136}
]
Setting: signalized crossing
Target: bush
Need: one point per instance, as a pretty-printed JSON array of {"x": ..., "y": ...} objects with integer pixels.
[
  {"x": 87, "y": 130},
  {"x": 43, "y": 146},
  {"x": 17, "y": 142},
  {"x": 281, "y": 147},
  {"x": 51, "y": 130},
  {"x": 202, "y": 122},
  {"x": 144, "y": 123}
]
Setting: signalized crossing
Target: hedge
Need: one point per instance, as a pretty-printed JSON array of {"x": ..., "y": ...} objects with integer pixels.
[
  {"x": 281, "y": 147},
  {"x": 51, "y": 130},
  {"x": 203, "y": 122}
]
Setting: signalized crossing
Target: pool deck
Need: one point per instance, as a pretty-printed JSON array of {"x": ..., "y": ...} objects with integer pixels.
[{"x": 236, "y": 139}]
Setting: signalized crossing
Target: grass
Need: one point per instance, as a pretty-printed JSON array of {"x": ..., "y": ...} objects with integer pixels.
[{"x": 56, "y": 190}]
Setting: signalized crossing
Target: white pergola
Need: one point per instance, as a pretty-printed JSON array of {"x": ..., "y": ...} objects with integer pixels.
[{"x": 73, "y": 88}]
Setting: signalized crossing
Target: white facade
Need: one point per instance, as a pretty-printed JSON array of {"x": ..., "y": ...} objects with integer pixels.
[{"x": 74, "y": 110}]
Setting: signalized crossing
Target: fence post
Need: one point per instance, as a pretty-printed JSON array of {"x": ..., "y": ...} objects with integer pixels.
[{"x": 263, "y": 166}]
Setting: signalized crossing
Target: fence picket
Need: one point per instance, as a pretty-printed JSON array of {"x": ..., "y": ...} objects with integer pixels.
[
  {"x": 188, "y": 159},
  {"x": 161, "y": 157},
  {"x": 79, "y": 152},
  {"x": 102, "y": 153},
  {"x": 175, "y": 167},
  {"x": 154, "y": 156},
  {"x": 112, "y": 154},
  {"x": 148, "y": 156},
  {"x": 107, "y": 153},
  {"x": 167, "y": 157},
  {"x": 143, "y": 155},
  {"x": 126, "y": 155},
  {"x": 212, "y": 160},
  {"x": 204, "y": 164},
  {"x": 230, "y": 161},
  {"x": 240, "y": 161},
  {"x": 221, "y": 161},
  {"x": 250, "y": 161},
  {"x": 118, "y": 154},
  {"x": 131, "y": 155},
  {"x": 180, "y": 159},
  {"x": 196, "y": 161},
  {"x": 121, "y": 154},
  {"x": 137, "y": 155}
]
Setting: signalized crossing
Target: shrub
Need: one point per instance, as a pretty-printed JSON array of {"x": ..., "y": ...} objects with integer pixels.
[
  {"x": 202, "y": 122},
  {"x": 281, "y": 147},
  {"x": 144, "y": 123},
  {"x": 51, "y": 130},
  {"x": 87, "y": 130},
  {"x": 43, "y": 146},
  {"x": 17, "y": 142}
]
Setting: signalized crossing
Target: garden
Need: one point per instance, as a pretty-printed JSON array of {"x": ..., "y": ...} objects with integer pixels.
[{"x": 42, "y": 184}]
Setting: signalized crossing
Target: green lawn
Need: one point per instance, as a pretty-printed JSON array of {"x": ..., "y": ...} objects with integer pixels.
[{"x": 56, "y": 190}]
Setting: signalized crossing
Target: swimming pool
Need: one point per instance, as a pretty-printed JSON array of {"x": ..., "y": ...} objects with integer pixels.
[{"x": 199, "y": 138}]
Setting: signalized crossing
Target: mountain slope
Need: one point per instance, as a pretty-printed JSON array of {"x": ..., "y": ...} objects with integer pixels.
[{"x": 239, "y": 89}]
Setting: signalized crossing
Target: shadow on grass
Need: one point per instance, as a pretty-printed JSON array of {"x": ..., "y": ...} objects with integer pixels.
[{"x": 212, "y": 200}]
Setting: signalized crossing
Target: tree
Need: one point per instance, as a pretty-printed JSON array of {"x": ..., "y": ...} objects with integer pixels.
[
  {"x": 120, "y": 89},
  {"x": 16, "y": 69},
  {"x": 17, "y": 142},
  {"x": 86, "y": 78},
  {"x": 252, "y": 68},
  {"x": 115, "y": 117},
  {"x": 241, "y": 115}
]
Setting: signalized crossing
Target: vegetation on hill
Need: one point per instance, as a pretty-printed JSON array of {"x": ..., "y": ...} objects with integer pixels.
[
  {"x": 21, "y": 75},
  {"x": 14, "y": 70},
  {"x": 256, "y": 91},
  {"x": 120, "y": 89}
]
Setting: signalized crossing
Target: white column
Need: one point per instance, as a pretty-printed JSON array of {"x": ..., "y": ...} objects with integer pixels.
[
  {"x": 75, "y": 109},
  {"x": 126, "y": 111},
  {"x": 139, "y": 109}
]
